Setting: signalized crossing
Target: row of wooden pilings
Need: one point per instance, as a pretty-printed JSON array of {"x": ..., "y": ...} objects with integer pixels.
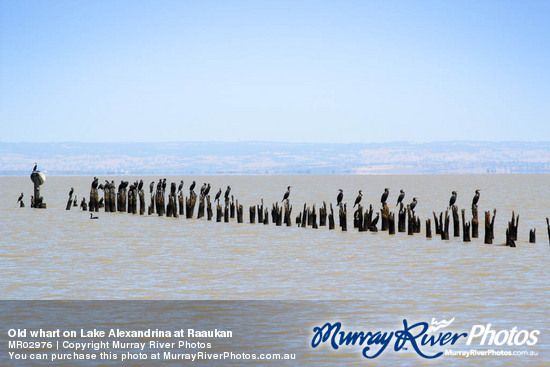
[{"x": 133, "y": 201}]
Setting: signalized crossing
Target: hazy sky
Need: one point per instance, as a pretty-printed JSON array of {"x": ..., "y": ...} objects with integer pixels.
[{"x": 295, "y": 71}]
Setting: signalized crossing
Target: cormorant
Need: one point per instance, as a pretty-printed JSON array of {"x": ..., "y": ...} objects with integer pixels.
[
  {"x": 476, "y": 197},
  {"x": 287, "y": 194},
  {"x": 358, "y": 198},
  {"x": 227, "y": 191},
  {"x": 207, "y": 190},
  {"x": 151, "y": 187},
  {"x": 218, "y": 194},
  {"x": 159, "y": 185},
  {"x": 453, "y": 199},
  {"x": 35, "y": 166},
  {"x": 173, "y": 188},
  {"x": 203, "y": 187},
  {"x": 385, "y": 196},
  {"x": 412, "y": 205},
  {"x": 164, "y": 184},
  {"x": 92, "y": 216},
  {"x": 192, "y": 186},
  {"x": 401, "y": 197},
  {"x": 180, "y": 187},
  {"x": 95, "y": 183},
  {"x": 101, "y": 187},
  {"x": 140, "y": 185},
  {"x": 20, "y": 197},
  {"x": 71, "y": 192},
  {"x": 339, "y": 197}
]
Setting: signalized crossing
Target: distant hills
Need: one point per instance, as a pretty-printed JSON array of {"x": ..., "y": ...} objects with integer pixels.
[{"x": 73, "y": 158}]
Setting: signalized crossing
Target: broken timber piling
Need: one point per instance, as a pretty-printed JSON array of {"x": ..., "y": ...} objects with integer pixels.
[{"x": 489, "y": 226}]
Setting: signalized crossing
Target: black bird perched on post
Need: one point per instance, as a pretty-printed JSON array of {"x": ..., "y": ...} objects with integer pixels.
[
  {"x": 35, "y": 167},
  {"x": 287, "y": 194},
  {"x": 192, "y": 186},
  {"x": 339, "y": 197},
  {"x": 412, "y": 205},
  {"x": 95, "y": 183},
  {"x": 227, "y": 191},
  {"x": 159, "y": 185},
  {"x": 401, "y": 197},
  {"x": 452, "y": 201},
  {"x": 385, "y": 196},
  {"x": 173, "y": 188},
  {"x": 140, "y": 185},
  {"x": 207, "y": 190},
  {"x": 218, "y": 194},
  {"x": 71, "y": 192},
  {"x": 164, "y": 184},
  {"x": 180, "y": 187},
  {"x": 203, "y": 188},
  {"x": 358, "y": 198},
  {"x": 151, "y": 187},
  {"x": 20, "y": 198},
  {"x": 476, "y": 197}
]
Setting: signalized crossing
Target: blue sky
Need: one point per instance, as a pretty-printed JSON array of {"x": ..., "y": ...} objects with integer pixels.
[{"x": 293, "y": 71}]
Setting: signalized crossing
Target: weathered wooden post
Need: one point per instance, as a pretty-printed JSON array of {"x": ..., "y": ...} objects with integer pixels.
[
  {"x": 456, "y": 221},
  {"x": 226, "y": 212},
  {"x": 331, "y": 218},
  {"x": 190, "y": 204},
  {"x": 428, "y": 228},
  {"x": 209, "y": 213},
  {"x": 261, "y": 211},
  {"x": 265, "y": 216},
  {"x": 532, "y": 235},
  {"x": 411, "y": 221},
  {"x": 219, "y": 213},
  {"x": 475, "y": 222},
  {"x": 299, "y": 219},
  {"x": 181, "y": 206},
  {"x": 391, "y": 223},
  {"x": 314, "y": 218},
  {"x": 94, "y": 200},
  {"x": 200, "y": 213},
  {"x": 513, "y": 225},
  {"x": 252, "y": 213},
  {"x": 112, "y": 197},
  {"x": 359, "y": 219},
  {"x": 401, "y": 218},
  {"x": 239, "y": 212},
  {"x": 106, "y": 197},
  {"x": 437, "y": 223},
  {"x": 465, "y": 227},
  {"x": 232, "y": 208},
  {"x": 323, "y": 215},
  {"x": 509, "y": 240},
  {"x": 304, "y": 219},
  {"x": 385, "y": 213},
  {"x": 344, "y": 217},
  {"x": 489, "y": 226},
  {"x": 367, "y": 220},
  {"x": 141, "y": 202},
  {"x": 69, "y": 202},
  {"x": 548, "y": 228},
  {"x": 445, "y": 227}
]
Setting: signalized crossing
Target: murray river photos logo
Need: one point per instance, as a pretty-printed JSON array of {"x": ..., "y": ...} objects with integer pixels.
[{"x": 421, "y": 337}]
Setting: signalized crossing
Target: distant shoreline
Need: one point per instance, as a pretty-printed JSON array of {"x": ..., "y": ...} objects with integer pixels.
[{"x": 272, "y": 158}]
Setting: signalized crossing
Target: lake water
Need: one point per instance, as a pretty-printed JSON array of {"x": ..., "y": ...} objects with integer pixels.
[{"x": 62, "y": 255}]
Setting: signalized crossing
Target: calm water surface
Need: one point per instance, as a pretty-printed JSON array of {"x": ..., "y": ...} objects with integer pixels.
[{"x": 58, "y": 254}]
